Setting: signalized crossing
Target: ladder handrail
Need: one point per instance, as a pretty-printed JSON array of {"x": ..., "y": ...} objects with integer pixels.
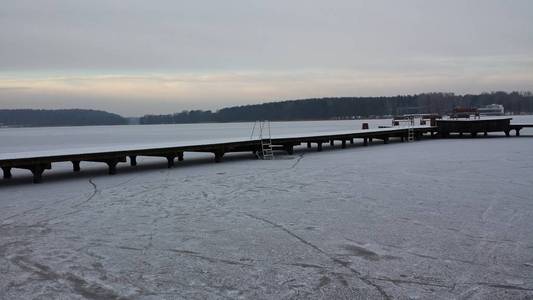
[
  {"x": 411, "y": 130},
  {"x": 266, "y": 141},
  {"x": 262, "y": 128},
  {"x": 253, "y": 130}
]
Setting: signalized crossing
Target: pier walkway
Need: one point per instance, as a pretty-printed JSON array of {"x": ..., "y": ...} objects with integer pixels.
[
  {"x": 39, "y": 161},
  {"x": 519, "y": 126}
]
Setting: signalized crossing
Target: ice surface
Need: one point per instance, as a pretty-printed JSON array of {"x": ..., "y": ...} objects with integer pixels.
[{"x": 434, "y": 219}]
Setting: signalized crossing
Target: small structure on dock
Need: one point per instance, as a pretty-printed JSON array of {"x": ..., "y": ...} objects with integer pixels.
[
  {"x": 396, "y": 120},
  {"x": 464, "y": 113}
]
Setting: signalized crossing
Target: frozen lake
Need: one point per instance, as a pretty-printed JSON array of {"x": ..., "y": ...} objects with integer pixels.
[{"x": 435, "y": 219}]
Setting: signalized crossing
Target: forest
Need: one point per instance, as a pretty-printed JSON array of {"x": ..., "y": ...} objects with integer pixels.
[
  {"x": 349, "y": 108},
  {"x": 60, "y": 117},
  {"x": 290, "y": 110}
]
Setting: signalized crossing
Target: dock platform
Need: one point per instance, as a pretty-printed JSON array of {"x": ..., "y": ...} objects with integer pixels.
[
  {"x": 473, "y": 127},
  {"x": 519, "y": 126},
  {"x": 39, "y": 161}
]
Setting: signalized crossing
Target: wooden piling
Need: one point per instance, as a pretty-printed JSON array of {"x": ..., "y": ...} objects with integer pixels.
[
  {"x": 76, "y": 165},
  {"x": 133, "y": 160},
  {"x": 170, "y": 161},
  {"x": 7, "y": 172}
]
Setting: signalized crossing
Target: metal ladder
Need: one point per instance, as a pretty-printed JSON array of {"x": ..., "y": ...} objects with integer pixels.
[
  {"x": 265, "y": 138},
  {"x": 411, "y": 130}
]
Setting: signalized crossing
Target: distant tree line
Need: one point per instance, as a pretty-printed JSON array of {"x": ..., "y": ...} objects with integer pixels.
[
  {"x": 62, "y": 117},
  {"x": 349, "y": 107}
]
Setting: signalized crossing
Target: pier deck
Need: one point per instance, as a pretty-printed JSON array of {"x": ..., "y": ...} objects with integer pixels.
[
  {"x": 517, "y": 127},
  {"x": 473, "y": 127},
  {"x": 39, "y": 161}
]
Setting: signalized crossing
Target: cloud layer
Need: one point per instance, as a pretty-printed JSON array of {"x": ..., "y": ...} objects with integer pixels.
[{"x": 139, "y": 57}]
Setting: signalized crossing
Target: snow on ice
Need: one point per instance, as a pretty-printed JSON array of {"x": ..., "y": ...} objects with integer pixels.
[{"x": 434, "y": 219}]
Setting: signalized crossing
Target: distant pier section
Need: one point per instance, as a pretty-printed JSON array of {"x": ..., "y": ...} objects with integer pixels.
[
  {"x": 474, "y": 127},
  {"x": 39, "y": 161}
]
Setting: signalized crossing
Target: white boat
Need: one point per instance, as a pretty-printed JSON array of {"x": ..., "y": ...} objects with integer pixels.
[{"x": 492, "y": 110}]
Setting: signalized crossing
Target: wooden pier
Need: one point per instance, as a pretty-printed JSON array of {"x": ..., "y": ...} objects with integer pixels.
[
  {"x": 518, "y": 127},
  {"x": 473, "y": 127},
  {"x": 38, "y": 162}
]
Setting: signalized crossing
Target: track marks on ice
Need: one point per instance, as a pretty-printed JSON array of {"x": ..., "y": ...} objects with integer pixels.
[
  {"x": 89, "y": 290},
  {"x": 300, "y": 157},
  {"x": 24, "y": 213},
  {"x": 342, "y": 263},
  {"x": 95, "y": 191},
  {"x": 207, "y": 258}
]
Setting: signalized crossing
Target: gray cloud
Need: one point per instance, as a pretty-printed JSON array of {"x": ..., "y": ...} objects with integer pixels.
[{"x": 485, "y": 41}]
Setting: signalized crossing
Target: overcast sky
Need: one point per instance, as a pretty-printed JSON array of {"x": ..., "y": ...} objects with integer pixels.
[{"x": 137, "y": 57}]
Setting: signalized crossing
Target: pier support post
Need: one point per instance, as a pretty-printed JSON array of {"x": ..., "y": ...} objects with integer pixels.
[
  {"x": 370, "y": 140},
  {"x": 343, "y": 144},
  {"x": 308, "y": 144},
  {"x": 402, "y": 139},
  {"x": 365, "y": 141},
  {"x": 133, "y": 160},
  {"x": 37, "y": 171},
  {"x": 218, "y": 155},
  {"x": 517, "y": 131},
  {"x": 289, "y": 149},
  {"x": 473, "y": 134},
  {"x": 170, "y": 161},
  {"x": 180, "y": 156},
  {"x": 319, "y": 146},
  {"x": 351, "y": 141},
  {"x": 332, "y": 142},
  {"x": 76, "y": 165},
  {"x": 386, "y": 140},
  {"x": 7, "y": 172},
  {"x": 112, "y": 164},
  {"x": 507, "y": 133}
]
